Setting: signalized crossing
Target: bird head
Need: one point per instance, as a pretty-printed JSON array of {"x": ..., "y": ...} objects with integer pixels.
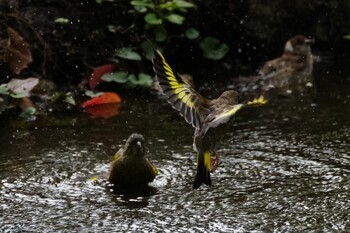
[
  {"x": 299, "y": 45},
  {"x": 134, "y": 146},
  {"x": 229, "y": 97}
]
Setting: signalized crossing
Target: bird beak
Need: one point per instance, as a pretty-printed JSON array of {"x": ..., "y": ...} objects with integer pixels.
[
  {"x": 139, "y": 144},
  {"x": 310, "y": 41}
]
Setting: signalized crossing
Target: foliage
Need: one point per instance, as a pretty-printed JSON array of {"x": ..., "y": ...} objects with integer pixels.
[
  {"x": 128, "y": 53},
  {"x": 98, "y": 72},
  {"x": 157, "y": 14},
  {"x": 141, "y": 79},
  {"x": 192, "y": 33},
  {"x": 15, "y": 51},
  {"x": 61, "y": 20},
  {"x": 159, "y": 11},
  {"x": 213, "y": 49}
]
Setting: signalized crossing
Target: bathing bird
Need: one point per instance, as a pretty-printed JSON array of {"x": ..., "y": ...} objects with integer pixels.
[{"x": 130, "y": 167}]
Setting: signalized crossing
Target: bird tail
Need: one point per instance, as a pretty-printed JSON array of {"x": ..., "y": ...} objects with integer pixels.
[{"x": 203, "y": 169}]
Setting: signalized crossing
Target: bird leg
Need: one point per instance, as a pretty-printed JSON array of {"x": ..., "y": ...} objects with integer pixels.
[{"x": 214, "y": 162}]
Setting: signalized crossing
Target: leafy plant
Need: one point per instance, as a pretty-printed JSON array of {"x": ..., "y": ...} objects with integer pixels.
[
  {"x": 141, "y": 79},
  {"x": 192, "y": 33},
  {"x": 156, "y": 13},
  {"x": 213, "y": 48},
  {"x": 128, "y": 53}
]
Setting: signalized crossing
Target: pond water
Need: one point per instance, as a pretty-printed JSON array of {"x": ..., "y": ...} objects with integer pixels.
[{"x": 285, "y": 167}]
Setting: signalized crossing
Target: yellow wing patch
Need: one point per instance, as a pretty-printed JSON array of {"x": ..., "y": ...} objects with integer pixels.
[
  {"x": 155, "y": 170},
  {"x": 179, "y": 94},
  {"x": 257, "y": 101},
  {"x": 230, "y": 112}
]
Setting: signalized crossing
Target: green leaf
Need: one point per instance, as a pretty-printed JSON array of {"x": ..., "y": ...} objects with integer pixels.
[
  {"x": 141, "y": 9},
  {"x": 68, "y": 98},
  {"x": 19, "y": 95},
  {"x": 128, "y": 53},
  {"x": 118, "y": 77},
  {"x": 147, "y": 49},
  {"x": 142, "y": 79},
  {"x": 61, "y": 20},
  {"x": 175, "y": 18},
  {"x": 4, "y": 89},
  {"x": 347, "y": 37},
  {"x": 92, "y": 94},
  {"x": 28, "y": 112},
  {"x": 192, "y": 34},
  {"x": 213, "y": 48},
  {"x": 183, "y": 4},
  {"x": 168, "y": 5},
  {"x": 112, "y": 28},
  {"x": 160, "y": 34},
  {"x": 145, "y": 80},
  {"x": 142, "y": 3},
  {"x": 173, "y": 5},
  {"x": 152, "y": 19}
]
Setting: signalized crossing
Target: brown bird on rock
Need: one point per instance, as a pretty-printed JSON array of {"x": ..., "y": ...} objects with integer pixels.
[{"x": 292, "y": 72}]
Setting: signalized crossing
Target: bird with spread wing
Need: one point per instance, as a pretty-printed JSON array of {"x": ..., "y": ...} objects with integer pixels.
[{"x": 210, "y": 118}]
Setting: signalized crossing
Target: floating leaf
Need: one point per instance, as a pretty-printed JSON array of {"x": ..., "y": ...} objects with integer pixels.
[
  {"x": 128, "y": 53},
  {"x": 118, "y": 77},
  {"x": 98, "y": 72},
  {"x": 105, "y": 98},
  {"x": 192, "y": 34},
  {"x": 175, "y": 18},
  {"x": 104, "y": 110},
  {"x": 152, "y": 19},
  {"x": 213, "y": 49},
  {"x": 18, "y": 86},
  {"x": 17, "y": 52}
]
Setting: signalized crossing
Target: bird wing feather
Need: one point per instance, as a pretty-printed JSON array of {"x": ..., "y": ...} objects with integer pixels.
[{"x": 178, "y": 91}]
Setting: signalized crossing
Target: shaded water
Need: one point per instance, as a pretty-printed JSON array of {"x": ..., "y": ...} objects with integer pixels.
[{"x": 284, "y": 167}]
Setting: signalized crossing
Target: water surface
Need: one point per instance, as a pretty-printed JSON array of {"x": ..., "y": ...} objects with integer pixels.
[{"x": 284, "y": 167}]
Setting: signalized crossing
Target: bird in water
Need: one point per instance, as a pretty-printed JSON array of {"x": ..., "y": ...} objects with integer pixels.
[
  {"x": 130, "y": 167},
  {"x": 292, "y": 72},
  {"x": 210, "y": 118}
]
